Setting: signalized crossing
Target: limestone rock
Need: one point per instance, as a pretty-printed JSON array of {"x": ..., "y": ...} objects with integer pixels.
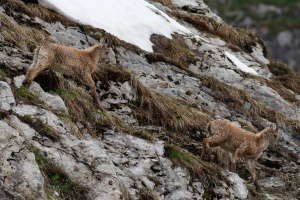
[
  {"x": 7, "y": 99},
  {"x": 19, "y": 171}
]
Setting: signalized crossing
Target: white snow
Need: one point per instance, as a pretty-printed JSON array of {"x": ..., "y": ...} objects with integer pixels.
[
  {"x": 239, "y": 187},
  {"x": 133, "y": 21},
  {"x": 240, "y": 64},
  {"x": 185, "y": 2}
]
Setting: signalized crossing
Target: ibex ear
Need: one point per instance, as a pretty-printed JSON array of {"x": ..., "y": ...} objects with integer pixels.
[{"x": 273, "y": 127}]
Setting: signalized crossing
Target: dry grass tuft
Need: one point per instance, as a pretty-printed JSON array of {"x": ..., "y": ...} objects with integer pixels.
[
  {"x": 32, "y": 10},
  {"x": 173, "y": 51},
  {"x": 25, "y": 95},
  {"x": 276, "y": 85},
  {"x": 208, "y": 173},
  {"x": 17, "y": 6},
  {"x": 49, "y": 15},
  {"x": 125, "y": 193},
  {"x": 24, "y": 37},
  {"x": 235, "y": 37},
  {"x": 106, "y": 73},
  {"x": 235, "y": 99},
  {"x": 146, "y": 194},
  {"x": 284, "y": 74},
  {"x": 40, "y": 127},
  {"x": 154, "y": 108},
  {"x": 292, "y": 123},
  {"x": 82, "y": 109}
]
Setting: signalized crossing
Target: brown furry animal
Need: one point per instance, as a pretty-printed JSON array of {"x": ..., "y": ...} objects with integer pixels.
[
  {"x": 240, "y": 143},
  {"x": 69, "y": 61}
]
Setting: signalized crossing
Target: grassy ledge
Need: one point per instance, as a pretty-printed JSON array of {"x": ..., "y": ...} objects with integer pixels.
[
  {"x": 40, "y": 127},
  {"x": 56, "y": 180},
  {"x": 208, "y": 173},
  {"x": 23, "y": 36},
  {"x": 237, "y": 39}
]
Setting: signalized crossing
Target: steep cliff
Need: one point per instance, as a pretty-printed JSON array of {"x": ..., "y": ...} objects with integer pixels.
[{"x": 145, "y": 140}]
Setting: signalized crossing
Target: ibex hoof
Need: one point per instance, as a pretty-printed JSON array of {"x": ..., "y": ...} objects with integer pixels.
[{"x": 26, "y": 83}]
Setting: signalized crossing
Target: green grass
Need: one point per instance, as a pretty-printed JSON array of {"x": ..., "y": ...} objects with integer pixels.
[
  {"x": 209, "y": 173},
  {"x": 40, "y": 127},
  {"x": 2, "y": 74},
  {"x": 56, "y": 180},
  {"x": 25, "y": 95},
  {"x": 62, "y": 92},
  {"x": 146, "y": 134},
  {"x": 181, "y": 155}
]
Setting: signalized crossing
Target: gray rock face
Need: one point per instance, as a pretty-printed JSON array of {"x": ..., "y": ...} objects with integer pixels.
[
  {"x": 119, "y": 164},
  {"x": 55, "y": 102},
  {"x": 6, "y": 96},
  {"x": 141, "y": 162},
  {"x": 19, "y": 173}
]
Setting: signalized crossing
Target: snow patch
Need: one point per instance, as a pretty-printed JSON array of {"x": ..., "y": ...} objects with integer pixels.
[
  {"x": 185, "y": 2},
  {"x": 239, "y": 188},
  {"x": 240, "y": 64},
  {"x": 133, "y": 21}
]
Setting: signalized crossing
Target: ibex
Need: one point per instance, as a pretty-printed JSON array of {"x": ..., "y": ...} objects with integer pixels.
[
  {"x": 69, "y": 61},
  {"x": 240, "y": 143}
]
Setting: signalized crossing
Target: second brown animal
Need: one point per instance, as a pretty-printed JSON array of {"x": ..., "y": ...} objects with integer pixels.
[{"x": 240, "y": 143}]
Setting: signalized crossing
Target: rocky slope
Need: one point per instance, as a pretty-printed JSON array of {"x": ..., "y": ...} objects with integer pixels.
[
  {"x": 276, "y": 22},
  {"x": 146, "y": 140}
]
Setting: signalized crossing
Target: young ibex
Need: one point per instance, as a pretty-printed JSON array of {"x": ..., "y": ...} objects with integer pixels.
[
  {"x": 69, "y": 61},
  {"x": 240, "y": 143}
]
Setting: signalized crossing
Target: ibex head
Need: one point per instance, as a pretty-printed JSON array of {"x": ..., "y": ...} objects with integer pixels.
[
  {"x": 273, "y": 134},
  {"x": 103, "y": 51}
]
